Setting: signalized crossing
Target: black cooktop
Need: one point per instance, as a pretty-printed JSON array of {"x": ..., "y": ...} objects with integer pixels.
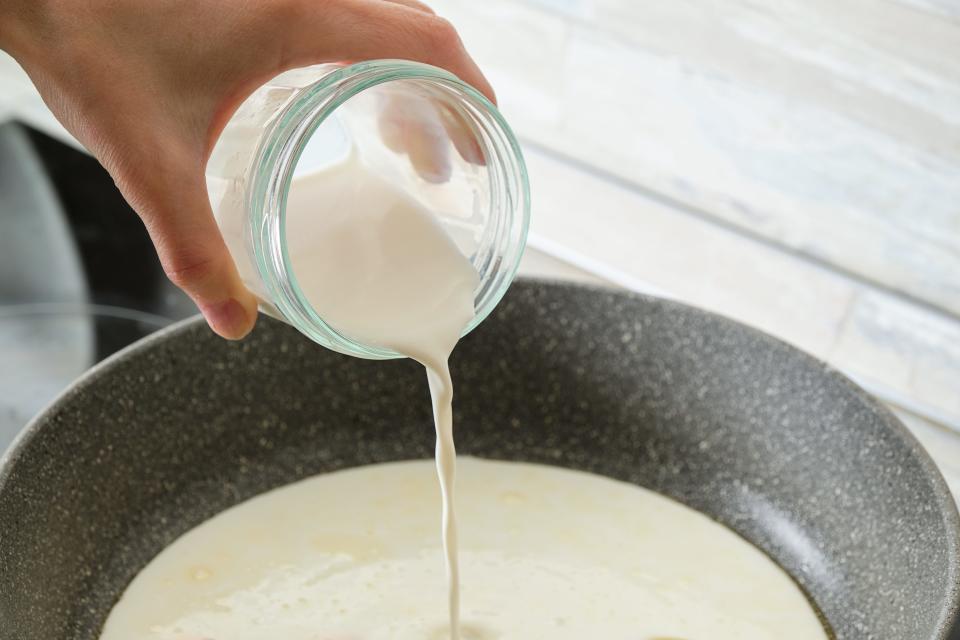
[{"x": 79, "y": 278}]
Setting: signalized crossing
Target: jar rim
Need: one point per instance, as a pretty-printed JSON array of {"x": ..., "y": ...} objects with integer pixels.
[{"x": 279, "y": 151}]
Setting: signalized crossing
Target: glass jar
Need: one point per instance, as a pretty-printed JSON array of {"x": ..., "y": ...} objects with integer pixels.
[{"x": 472, "y": 175}]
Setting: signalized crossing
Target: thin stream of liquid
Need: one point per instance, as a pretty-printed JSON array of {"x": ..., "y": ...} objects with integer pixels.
[
  {"x": 441, "y": 392},
  {"x": 379, "y": 267}
]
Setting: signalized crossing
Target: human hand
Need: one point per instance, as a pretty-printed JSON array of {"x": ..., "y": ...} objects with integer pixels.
[{"x": 147, "y": 85}]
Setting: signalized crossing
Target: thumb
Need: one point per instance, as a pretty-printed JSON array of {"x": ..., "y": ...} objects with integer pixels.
[{"x": 195, "y": 258}]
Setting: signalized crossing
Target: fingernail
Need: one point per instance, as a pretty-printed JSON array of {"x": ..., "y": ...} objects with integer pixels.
[{"x": 228, "y": 318}]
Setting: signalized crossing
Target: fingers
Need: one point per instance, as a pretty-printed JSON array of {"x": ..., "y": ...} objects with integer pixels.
[
  {"x": 372, "y": 29},
  {"x": 423, "y": 128},
  {"x": 196, "y": 259},
  {"x": 410, "y": 124},
  {"x": 461, "y": 133}
]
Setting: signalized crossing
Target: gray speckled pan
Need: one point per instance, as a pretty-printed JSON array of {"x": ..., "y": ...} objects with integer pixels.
[{"x": 730, "y": 421}]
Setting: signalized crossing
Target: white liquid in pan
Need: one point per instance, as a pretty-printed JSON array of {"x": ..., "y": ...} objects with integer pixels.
[{"x": 546, "y": 553}]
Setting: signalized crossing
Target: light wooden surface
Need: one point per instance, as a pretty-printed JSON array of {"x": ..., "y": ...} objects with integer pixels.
[
  {"x": 794, "y": 164},
  {"x": 829, "y": 127}
]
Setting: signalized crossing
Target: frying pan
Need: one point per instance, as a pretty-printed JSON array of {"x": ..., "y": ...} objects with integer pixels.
[{"x": 761, "y": 437}]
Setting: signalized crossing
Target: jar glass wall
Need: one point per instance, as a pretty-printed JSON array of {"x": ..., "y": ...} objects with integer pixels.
[{"x": 422, "y": 129}]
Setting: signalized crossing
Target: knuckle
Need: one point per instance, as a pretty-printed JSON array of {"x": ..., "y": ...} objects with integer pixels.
[{"x": 187, "y": 271}]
